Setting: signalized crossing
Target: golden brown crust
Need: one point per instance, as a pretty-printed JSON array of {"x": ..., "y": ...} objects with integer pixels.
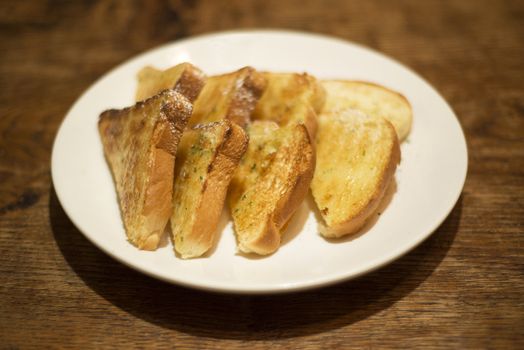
[
  {"x": 363, "y": 82},
  {"x": 264, "y": 243},
  {"x": 198, "y": 236},
  {"x": 230, "y": 96},
  {"x": 246, "y": 96},
  {"x": 299, "y": 183},
  {"x": 272, "y": 181},
  {"x": 140, "y": 144},
  {"x": 354, "y": 222},
  {"x": 291, "y": 98},
  {"x": 215, "y": 189},
  {"x": 190, "y": 83},
  {"x": 402, "y": 123},
  {"x": 183, "y": 78},
  {"x": 310, "y": 121}
]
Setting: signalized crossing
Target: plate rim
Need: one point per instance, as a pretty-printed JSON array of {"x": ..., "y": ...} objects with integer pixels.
[{"x": 271, "y": 288}]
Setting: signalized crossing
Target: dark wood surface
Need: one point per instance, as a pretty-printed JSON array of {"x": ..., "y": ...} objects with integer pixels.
[{"x": 462, "y": 288}]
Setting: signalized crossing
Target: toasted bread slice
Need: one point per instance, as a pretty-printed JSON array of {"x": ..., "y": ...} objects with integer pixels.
[
  {"x": 356, "y": 160},
  {"x": 207, "y": 157},
  {"x": 291, "y": 98},
  {"x": 229, "y": 96},
  {"x": 140, "y": 143},
  {"x": 272, "y": 180},
  {"x": 184, "y": 78},
  {"x": 372, "y": 99}
]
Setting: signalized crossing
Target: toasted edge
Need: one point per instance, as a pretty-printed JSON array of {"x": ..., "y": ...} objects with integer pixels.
[
  {"x": 238, "y": 93},
  {"x": 157, "y": 198},
  {"x": 189, "y": 83},
  {"x": 402, "y": 133},
  {"x": 354, "y": 223},
  {"x": 246, "y": 96},
  {"x": 211, "y": 203},
  {"x": 310, "y": 108},
  {"x": 288, "y": 204},
  {"x": 268, "y": 241},
  {"x": 157, "y": 202}
]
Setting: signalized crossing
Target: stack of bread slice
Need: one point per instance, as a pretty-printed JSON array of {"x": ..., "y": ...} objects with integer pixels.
[
  {"x": 209, "y": 152},
  {"x": 259, "y": 139}
]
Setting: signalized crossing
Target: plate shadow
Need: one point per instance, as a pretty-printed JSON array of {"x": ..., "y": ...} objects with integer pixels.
[{"x": 243, "y": 317}]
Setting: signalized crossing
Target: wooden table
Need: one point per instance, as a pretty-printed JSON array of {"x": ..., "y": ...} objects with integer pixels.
[{"x": 462, "y": 288}]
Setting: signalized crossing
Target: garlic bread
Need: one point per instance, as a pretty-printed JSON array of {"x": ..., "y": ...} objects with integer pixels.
[
  {"x": 207, "y": 158},
  {"x": 229, "y": 96},
  {"x": 140, "y": 143},
  {"x": 184, "y": 78},
  {"x": 291, "y": 98},
  {"x": 372, "y": 99},
  {"x": 357, "y": 156},
  {"x": 271, "y": 181}
]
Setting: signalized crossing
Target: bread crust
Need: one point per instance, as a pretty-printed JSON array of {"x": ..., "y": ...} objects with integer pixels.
[
  {"x": 311, "y": 122},
  {"x": 183, "y": 78},
  {"x": 291, "y": 98},
  {"x": 201, "y": 236},
  {"x": 231, "y": 96},
  {"x": 190, "y": 83},
  {"x": 140, "y": 144},
  {"x": 294, "y": 172},
  {"x": 246, "y": 96},
  {"x": 305, "y": 167},
  {"x": 356, "y": 222},
  {"x": 264, "y": 243},
  {"x": 402, "y": 126}
]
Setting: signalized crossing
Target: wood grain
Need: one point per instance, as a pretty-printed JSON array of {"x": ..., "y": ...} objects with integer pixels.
[{"x": 462, "y": 288}]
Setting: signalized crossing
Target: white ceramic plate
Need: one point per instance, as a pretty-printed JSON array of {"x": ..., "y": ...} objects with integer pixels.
[{"x": 429, "y": 178}]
